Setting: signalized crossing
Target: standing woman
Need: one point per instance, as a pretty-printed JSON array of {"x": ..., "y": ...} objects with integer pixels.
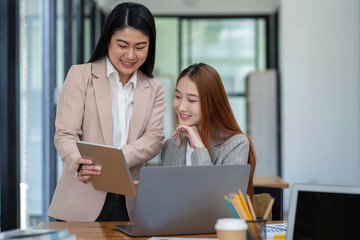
[
  {"x": 207, "y": 132},
  {"x": 113, "y": 100}
]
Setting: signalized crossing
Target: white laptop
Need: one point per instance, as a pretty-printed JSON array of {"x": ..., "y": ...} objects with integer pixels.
[
  {"x": 184, "y": 199},
  {"x": 323, "y": 212}
]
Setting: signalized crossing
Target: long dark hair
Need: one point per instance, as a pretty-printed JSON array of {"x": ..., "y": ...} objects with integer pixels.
[
  {"x": 124, "y": 15},
  {"x": 216, "y": 111}
]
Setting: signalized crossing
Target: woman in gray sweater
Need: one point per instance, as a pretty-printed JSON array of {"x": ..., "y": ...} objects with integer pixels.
[{"x": 207, "y": 132}]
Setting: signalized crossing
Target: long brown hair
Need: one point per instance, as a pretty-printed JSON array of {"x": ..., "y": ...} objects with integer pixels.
[{"x": 216, "y": 111}]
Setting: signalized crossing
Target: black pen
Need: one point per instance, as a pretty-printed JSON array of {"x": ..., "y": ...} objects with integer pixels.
[{"x": 78, "y": 170}]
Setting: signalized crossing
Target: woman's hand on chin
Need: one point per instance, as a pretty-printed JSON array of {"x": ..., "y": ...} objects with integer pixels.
[{"x": 192, "y": 133}]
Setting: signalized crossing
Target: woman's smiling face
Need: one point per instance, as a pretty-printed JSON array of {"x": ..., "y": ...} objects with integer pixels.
[
  {"x": 187, "y": 103},
  {"x": 128, "y": 49}
]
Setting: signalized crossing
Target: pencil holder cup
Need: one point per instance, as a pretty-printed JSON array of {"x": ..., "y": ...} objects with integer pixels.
[
  {"x": 256, "y": 229},
  {"x": 230, "y": 229}
]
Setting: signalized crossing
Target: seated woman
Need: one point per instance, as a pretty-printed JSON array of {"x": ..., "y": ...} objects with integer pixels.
[{"x": 207, "y": 132}]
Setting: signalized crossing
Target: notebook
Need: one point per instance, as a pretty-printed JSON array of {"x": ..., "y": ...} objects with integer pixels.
[
  {"x": 184, "y": 199},
  {"x": 115, "y": 176},
  {"x": 323, "y": 212}
]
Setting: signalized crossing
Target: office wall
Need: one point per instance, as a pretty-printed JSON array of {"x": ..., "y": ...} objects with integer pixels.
[
  {"x": 320, "y": 76},
  {"x": 201, "y": 7}
]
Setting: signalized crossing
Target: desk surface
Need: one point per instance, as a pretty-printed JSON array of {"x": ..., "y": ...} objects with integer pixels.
[
  {"x": 101, "y": 230},
  {"x": 107, "y": 230},
  {"x": 271, "y": 181}
]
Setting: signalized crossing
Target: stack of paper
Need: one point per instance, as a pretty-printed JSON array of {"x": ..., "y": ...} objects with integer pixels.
[
  {"x": 38, "y": 234},
  {"x": 275, "y": 231}
]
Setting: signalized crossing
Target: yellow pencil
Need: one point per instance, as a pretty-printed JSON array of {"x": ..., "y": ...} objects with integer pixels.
[
  {"x": 248, "y": 217},
  {"x": 245, "y": 205}
]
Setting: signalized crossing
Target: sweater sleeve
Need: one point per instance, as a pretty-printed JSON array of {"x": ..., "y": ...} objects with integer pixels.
[{"x": 234, "y": 151}]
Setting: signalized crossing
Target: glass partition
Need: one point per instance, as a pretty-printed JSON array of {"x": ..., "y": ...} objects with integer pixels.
[
  {"x": 233, "y": 46},
  {"x": 31, "y": 90},
  {"x": 60, "y": 62},
  {"x": 167, "y": 68},
  {"x": 30, "y": 112}
]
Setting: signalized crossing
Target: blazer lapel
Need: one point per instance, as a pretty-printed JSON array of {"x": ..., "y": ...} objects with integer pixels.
[
  {"x": 103, "y": 99},
  {"x": 142, "y": 96}
]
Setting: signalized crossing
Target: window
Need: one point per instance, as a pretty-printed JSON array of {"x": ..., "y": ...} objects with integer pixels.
[
  {"x": 233, "y": 46},
  {"x": 30, "y": 112},
  {"x": 35, "y": 195}
]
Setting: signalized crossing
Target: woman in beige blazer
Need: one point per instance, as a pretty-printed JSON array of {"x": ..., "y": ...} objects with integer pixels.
[
  {"x": 113, "y": 100},
  {"x": 207, "y": 132}
]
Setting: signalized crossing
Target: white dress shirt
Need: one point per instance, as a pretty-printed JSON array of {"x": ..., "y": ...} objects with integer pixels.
[
  {"x": 122, "y": 101},
  {"x": 189, "y": 151}
]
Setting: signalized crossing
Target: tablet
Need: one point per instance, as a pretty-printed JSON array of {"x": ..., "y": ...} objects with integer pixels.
[{"x": 115, "y": 176}]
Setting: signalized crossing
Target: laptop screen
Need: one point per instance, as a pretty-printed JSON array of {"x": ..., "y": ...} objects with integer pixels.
[{"x": 326, "y": 215}]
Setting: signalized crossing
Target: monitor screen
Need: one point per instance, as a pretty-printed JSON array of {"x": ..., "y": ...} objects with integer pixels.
[{"x": 324, "y": 215}]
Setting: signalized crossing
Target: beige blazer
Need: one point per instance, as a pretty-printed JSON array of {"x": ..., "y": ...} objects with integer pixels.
[{"x": 84, "y": 113}]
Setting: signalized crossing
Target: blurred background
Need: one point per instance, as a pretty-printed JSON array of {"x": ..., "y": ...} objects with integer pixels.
[{"x": 291, "y": 70}]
